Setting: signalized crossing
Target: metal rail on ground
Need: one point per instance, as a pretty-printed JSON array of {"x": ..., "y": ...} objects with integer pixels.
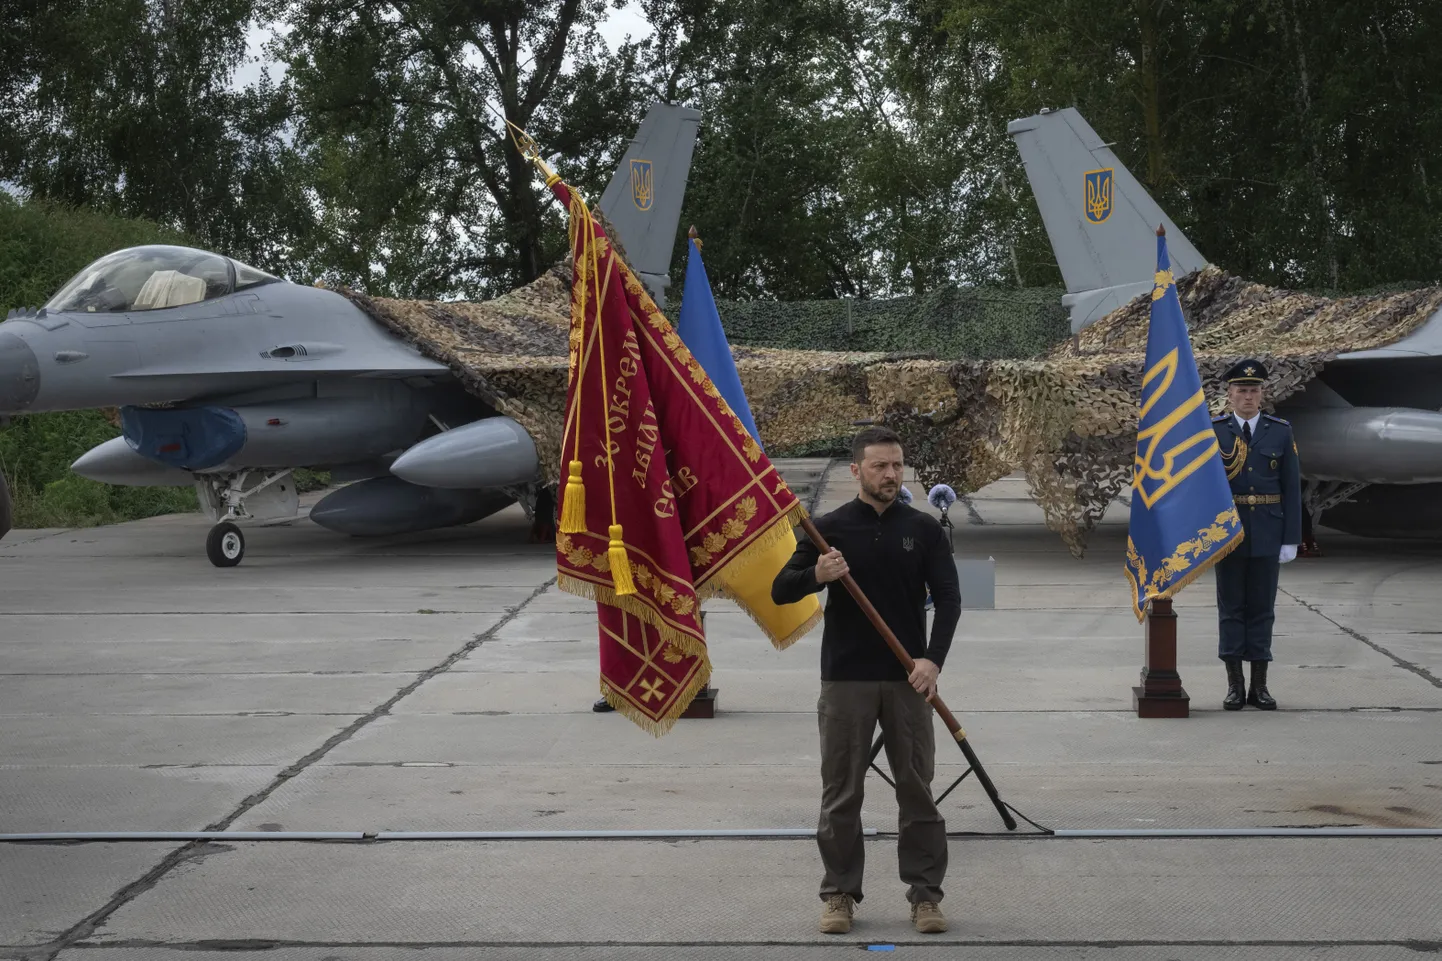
[{"x": 720, "y": 834}]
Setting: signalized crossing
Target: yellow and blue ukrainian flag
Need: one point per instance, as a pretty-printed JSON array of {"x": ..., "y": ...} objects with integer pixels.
[
  {"x": 699, "y": 327},
  {"x": 1183, "y": 519}
]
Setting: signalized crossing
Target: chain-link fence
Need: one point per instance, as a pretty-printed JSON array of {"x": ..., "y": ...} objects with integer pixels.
[{"x": 951, "y": 323}]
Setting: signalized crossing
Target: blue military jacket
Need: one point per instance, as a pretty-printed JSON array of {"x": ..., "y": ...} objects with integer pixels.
[{"x": 1267, "y": 469}]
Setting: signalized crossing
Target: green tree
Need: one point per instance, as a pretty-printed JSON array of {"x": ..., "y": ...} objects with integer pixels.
[
  {"x": 42, "y": 245},
  {"x": 1289, "y": 138},
  {"x": 770, "y": 173},
  {"x": 843, "y": 151},
  {"x": 411, "y": 182},
  {"x": 127, "y": 106}
]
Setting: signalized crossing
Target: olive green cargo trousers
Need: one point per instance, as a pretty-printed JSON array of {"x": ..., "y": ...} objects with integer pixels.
[{"x": 848, "y": 712}]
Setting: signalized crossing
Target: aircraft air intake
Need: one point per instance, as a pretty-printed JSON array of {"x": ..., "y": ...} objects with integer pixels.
[{"x": 19, "y": 374}]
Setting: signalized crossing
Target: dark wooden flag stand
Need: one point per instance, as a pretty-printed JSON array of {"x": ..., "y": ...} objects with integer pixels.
[
  {"x": 1161, "y": 693},
  {"x": 703, "y": 705}
]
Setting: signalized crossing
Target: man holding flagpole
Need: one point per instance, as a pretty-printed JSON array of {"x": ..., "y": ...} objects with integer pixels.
[{"x": 895, "y": 553}]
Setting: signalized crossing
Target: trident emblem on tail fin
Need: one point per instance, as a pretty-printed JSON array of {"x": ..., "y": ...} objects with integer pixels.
[
  {"x": 1098, "y": 203},
  {"x": 642, "y": 191}
]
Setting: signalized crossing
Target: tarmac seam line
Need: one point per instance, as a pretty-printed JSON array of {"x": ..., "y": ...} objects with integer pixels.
[
  {"x": 1417, "y": 669},
  {"x": 973, "y": 516},
  {"x": 194, "y": 849},
  {"x": 270, "y": 944},
  {"x": 819, "y": 487}
]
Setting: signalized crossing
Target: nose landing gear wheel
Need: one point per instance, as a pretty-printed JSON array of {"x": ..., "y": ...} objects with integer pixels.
[{"x": 225, "y": 545}]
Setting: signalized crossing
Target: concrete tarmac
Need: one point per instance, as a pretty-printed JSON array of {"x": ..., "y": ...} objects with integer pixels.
[{"x": 440, "y": 682}]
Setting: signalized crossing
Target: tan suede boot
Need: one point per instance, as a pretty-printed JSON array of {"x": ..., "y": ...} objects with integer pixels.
[
  {"x": 927, "y": 917},
  {"x": 836, "y": 916}
]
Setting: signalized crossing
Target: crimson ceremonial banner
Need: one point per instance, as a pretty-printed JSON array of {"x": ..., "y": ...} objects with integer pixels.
[{"x": 666, "y": 489}]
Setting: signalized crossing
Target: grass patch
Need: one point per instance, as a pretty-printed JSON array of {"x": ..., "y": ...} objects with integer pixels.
[{"x": 36, "y": 451}]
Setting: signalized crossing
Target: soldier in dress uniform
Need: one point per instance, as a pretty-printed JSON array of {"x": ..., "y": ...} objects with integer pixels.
[{"x": 1260, "y": 457}]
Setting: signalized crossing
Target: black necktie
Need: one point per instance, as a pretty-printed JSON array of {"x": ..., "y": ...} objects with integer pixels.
[{"x": 1246, "y": 432}]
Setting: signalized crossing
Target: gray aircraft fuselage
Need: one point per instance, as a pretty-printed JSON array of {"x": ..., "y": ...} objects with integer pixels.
[
  {"x": 238, "y": 344},
  {"x": 229, "y": 379},
  {"x": 292, "y": 376}
]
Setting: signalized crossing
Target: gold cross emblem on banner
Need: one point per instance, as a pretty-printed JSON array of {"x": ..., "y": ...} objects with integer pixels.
[{"x": 652, "y": 689}]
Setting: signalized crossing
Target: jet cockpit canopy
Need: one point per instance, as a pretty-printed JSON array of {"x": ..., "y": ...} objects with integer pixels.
[{"x": 154, "y": 277}]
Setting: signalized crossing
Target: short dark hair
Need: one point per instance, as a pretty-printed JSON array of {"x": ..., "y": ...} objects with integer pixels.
[{"x": 870, "y": 436}]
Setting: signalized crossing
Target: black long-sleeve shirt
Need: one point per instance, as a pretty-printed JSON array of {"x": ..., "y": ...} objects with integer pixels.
[{"x": 894, "y": 557}]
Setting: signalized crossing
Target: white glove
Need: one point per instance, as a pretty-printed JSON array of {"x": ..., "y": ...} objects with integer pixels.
[{"x": 1289, "y": 553}]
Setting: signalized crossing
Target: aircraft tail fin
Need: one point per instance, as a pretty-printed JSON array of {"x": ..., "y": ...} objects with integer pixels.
[
  {"x": 643, "y": 199},
  {"x": 1101, "y": 222}
]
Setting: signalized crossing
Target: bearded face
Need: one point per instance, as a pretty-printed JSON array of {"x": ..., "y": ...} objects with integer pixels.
[{"x": 879, "y": 472}]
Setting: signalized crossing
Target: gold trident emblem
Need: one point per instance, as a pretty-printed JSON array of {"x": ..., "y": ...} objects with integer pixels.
[
  {"x": 1098, "y": 201},
  {"x": 528, "y": 148},
  {"x": 1161, "y": 458},
  {"x": 642, "y": 191}
]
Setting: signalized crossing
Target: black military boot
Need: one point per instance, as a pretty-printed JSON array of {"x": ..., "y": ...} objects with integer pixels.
[
  {"x": 1236, "y": 685},
  {"x": 1258, "y": 696}
]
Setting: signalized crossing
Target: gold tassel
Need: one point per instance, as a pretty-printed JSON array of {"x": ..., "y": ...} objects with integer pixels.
[
  {"x": 620, "y": 563},
  {"x": 573, "y": 511}
]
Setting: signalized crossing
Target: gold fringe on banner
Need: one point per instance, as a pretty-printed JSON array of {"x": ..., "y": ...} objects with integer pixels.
[
  {"x": 1173, "y": 588},
  {"x": 631, "y": 604}
]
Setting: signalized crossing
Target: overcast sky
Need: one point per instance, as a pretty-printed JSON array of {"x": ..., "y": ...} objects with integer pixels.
[{"x": 618, "y": 25}]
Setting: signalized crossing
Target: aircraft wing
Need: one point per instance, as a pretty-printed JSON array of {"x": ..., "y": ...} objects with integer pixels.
[{"x": 1424, "y": 342}]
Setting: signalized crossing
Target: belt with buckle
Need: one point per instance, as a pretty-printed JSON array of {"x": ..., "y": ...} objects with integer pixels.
[{"x": 1253, "y": 499}]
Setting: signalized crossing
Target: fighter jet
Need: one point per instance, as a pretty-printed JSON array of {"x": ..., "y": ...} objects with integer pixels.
[
  {"x": 229, "y": 379},
  {"x": 1367, "y": 426}
]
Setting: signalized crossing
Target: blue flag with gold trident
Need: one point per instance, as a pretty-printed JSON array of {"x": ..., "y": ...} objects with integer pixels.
[{"x": 1183, "y": 520}]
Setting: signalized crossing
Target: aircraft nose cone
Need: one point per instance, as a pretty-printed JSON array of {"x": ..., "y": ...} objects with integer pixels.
[{"x": 19, "y": 374}]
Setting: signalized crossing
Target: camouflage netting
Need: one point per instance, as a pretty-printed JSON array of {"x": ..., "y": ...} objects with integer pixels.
[
  {"x": 1066, "y": 419},
  {"x": 510, "y": 352}
]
